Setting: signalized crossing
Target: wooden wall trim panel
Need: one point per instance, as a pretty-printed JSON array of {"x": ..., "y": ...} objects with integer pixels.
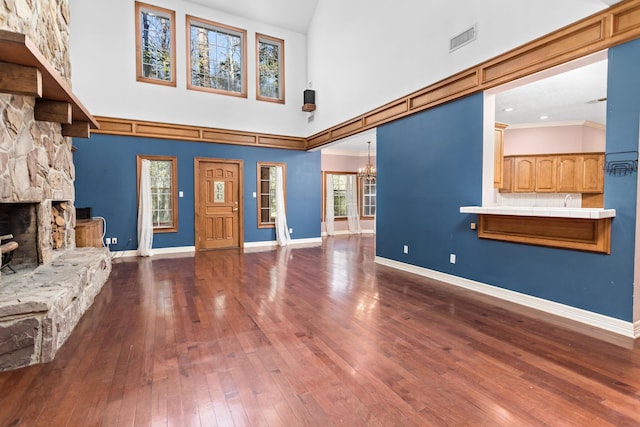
[
  {"x": 281, "y": 142},
  {"x": 626, "y": 20},
  {"x": 515, "y": 64},
  {"x": 165, "y": 131},
  {"x": 591, "y": 235},
  {"x": 387, "y": 112},
  {"x": 228, "y": 137},
  {"x": 127, "y": 127},
  {"x": 318, "y": 139},
  {"x": 349, "y": 128},
  {"x": 441, "y": 91},
  {"x": 114, "y": 126}
]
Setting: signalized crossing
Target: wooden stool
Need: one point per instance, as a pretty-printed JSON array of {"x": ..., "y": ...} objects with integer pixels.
[{"x": 7, "y": 250}]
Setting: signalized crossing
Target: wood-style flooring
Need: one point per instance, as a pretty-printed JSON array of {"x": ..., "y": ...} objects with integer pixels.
[{"x": 315, "y": 336}]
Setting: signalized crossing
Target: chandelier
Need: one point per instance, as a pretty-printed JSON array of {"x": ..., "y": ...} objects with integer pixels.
[{"x": 369, "y": 171}]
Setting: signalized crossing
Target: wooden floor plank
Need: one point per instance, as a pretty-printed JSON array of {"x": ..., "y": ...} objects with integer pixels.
[{"x": 316, "y": 336}]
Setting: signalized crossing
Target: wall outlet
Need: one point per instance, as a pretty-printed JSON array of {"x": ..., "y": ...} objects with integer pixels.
[
  {"x": 473, "y": 226},
  {"x": 254, "y": 194},
  {"x": 180, "y": 193},
  {"x": 405, "y": 249},
  {"x": 114, "y": 240},
  {"x": 291, "y": 231},
  {"x": 452, "y": 258},
  {"x": 107, "y": 241}
]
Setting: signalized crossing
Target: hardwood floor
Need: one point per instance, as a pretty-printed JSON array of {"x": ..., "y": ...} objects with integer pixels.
[{"x": 315, "y": 336}]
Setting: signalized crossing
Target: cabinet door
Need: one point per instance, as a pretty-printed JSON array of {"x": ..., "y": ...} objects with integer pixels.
[
  {"x": 592, "y": 173},
  {"x": 546, "y": 174},
  {"x": 507, "y": 175},
  {"x": 524, "y": 175},
  {"x": 498, "y": 155},
  {"x": 569, "y": 173}
]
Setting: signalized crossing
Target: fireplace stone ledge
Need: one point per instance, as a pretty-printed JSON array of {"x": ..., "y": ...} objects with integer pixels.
[{"x": 39, "y": 310}]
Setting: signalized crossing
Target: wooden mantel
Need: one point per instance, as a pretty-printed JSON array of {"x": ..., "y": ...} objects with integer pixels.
[{"x": 26, "y": 71}]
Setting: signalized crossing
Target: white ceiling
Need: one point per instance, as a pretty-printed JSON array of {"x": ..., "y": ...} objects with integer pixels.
[
  {"x": 290, "y": 14},
  {"x": 570, "y": 96}
]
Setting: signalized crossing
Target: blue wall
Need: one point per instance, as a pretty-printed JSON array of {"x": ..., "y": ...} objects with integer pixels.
[
  {"x": 430, "y": 164},
  {"x": 106, "y": 180}
]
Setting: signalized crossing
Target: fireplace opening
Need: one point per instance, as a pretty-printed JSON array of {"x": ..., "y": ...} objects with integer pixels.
[{"x": 20, "y": 220}]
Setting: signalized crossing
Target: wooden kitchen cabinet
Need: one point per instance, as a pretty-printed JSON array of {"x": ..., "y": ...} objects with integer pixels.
[
  {"x": 545, "y": 174},
  {"x": 592, "y": 173},
  {"x": 524, "y": 174},
  {"x": 554, "y": 173},
  {"x": 498, "y": 155},
  {"x": 507, "y": 175},
  {"x": 569, "y": 174}
]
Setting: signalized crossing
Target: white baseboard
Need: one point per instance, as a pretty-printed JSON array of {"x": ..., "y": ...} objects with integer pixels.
[
  {"x": 610, "y": 324},
  {"x": 156, "y": 251},
  {"x": 273, "y": 243},
  {"x": 343, "y": 232},
  {"x": 191, "y": 249}
]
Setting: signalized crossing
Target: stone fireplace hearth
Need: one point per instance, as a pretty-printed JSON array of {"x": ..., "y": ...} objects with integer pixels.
[{"x": 55, "y": 282}]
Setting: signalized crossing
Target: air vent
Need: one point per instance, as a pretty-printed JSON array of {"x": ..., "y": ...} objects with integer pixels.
[{"x": 462, "y": 39}]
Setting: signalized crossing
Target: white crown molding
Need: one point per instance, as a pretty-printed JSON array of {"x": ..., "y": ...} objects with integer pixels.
[{"x": 557, "y": 124}]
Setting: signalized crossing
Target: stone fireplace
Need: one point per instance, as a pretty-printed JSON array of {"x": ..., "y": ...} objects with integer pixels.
[
  {"x": 55, "y": 282},
  {"x": 40, "y": 229}
]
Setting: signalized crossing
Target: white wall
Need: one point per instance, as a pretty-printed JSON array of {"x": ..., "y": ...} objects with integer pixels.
[
  {"x": 363, "y": 53},
  {"x": 103, "y": 58}
]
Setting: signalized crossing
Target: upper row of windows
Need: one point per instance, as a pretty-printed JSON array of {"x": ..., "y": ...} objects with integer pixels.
[{"x": 216, "y": 55}]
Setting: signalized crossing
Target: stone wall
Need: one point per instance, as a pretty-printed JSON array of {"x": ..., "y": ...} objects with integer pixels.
[{"x": 36, "y": 163}]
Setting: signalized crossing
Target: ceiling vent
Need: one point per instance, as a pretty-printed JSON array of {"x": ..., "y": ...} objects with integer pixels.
[{"x": 462, "y": 39}]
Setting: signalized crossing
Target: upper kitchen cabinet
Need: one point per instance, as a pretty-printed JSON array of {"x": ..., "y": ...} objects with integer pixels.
[
  {"x": 545, "y": 174},
  {"x": 524, "y": 174},
  {"x": 498, "y": 155},
  {"x": 592, "y": 173}
]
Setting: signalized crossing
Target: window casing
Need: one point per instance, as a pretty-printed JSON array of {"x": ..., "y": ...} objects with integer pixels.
[
  {"x": 164, "y": 191},
  {"x": 368, "y": 199},
  {"x": 266, "y": 186},
  {"x": 270, "y": 69},
  {"x": 216, "y": 57},
  {"x": 155, "y": 44}
]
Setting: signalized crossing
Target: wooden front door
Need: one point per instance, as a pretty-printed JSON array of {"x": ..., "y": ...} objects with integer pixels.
[{"x": 218, "y": 203}]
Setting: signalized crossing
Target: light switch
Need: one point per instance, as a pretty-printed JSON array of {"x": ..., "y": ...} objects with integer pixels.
[{"x": 180, "y": 193}]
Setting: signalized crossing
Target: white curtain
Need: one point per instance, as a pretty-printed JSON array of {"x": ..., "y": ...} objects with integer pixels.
[
  {"x": 353, "y": 216},
  {"x": 282, "y": 230},
  {"x": 328, "y": 214},
  {"x": 145, "y": 222}
]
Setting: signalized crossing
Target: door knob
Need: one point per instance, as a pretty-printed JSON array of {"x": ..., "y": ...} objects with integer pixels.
[{"x": 235, "y": 209}]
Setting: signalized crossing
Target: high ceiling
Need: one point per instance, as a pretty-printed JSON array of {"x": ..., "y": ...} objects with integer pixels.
[
  {"x": 290, "y": 14},
  {"x": 294, "y": 15},
  {"x": 550, "y": 97}
]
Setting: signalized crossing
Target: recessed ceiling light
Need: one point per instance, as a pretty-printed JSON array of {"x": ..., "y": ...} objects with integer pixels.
[
  {"x": 544, "y": 117},
  {"x": 508, "y": 109}
]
